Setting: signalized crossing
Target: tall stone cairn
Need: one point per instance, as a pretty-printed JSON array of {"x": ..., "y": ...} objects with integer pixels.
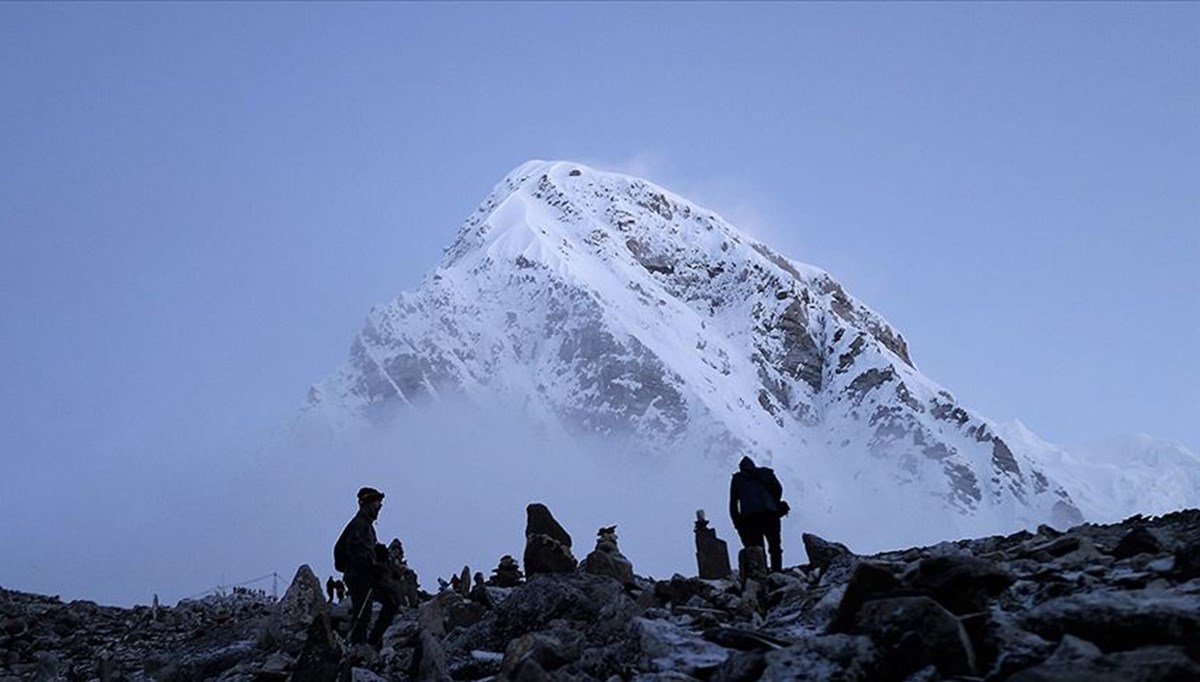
[{"x": 712, "y": 554}]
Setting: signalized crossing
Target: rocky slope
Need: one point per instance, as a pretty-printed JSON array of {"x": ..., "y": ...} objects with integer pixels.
[
  {"x": 605, "y": 305},
  {"x": 1116, "y": 602}
]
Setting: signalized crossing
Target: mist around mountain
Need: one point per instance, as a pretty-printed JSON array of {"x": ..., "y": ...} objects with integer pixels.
[{"x": 599, "y": 308}]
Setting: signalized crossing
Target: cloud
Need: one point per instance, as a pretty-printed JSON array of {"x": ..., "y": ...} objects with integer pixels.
[{"x": 457, "y": 480}]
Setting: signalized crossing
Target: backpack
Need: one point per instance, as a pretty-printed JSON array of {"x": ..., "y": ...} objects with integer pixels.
[
  {"x": 340, "y": 561},
  {"x": 766, "y": 476}
]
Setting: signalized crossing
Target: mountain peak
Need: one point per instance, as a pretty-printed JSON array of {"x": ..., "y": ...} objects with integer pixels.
[{"x": 607, "y": 305}]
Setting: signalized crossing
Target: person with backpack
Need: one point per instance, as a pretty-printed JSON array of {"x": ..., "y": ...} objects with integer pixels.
[
  {"x": 756, "y": 505},
  {"x": 364, "y": 565}
]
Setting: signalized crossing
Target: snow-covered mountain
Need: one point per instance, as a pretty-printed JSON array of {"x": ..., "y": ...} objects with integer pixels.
[
  {"x": 602, "y": 304},
  {"x": 1116, "y": 478}
]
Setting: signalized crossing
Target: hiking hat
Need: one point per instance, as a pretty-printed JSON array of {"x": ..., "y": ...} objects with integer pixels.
[{"x": 368, "y": 495}]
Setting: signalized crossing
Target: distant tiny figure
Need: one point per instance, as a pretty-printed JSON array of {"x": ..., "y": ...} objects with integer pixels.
[
  {"x": 363, "y": 562},
  {"x": 329, "y": 588},
  {"x": 402, "y": 579},
  {"x": 756, "y": 505},
  {"x": 339, "y": 588},
  {"x": 479, "y": 593}
]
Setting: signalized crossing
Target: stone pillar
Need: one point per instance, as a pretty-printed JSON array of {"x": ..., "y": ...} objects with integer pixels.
[{"x": 712, "y": 554}]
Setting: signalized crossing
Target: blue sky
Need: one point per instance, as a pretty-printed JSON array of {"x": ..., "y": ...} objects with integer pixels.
[{"x": 200, "y": 202}]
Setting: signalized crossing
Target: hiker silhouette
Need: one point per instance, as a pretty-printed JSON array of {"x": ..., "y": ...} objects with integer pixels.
[
  {"x": 755, "y": 506},
  {"x": 363, "y": 563}
]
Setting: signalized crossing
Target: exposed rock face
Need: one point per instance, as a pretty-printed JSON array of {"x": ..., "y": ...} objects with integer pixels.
[{"x": 1026, "y": 607}]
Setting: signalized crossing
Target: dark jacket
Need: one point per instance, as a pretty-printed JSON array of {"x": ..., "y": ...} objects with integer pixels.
[
  {"x": 354, "y": 553},
  {"x": 753, "y": 489}
]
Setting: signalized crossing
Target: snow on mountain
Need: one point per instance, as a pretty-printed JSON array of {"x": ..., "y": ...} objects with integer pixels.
[
  {"x": 604, "y": 305},
  {"x": 1113, "y": 479}
]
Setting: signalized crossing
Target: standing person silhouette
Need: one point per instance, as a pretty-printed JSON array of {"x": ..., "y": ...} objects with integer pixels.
[
  {"x": 363, "y": 561},
  {"x": 755, "y": 506}
]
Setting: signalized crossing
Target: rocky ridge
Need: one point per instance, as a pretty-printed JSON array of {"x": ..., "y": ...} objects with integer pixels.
[{"x": 1115, "y": 602}]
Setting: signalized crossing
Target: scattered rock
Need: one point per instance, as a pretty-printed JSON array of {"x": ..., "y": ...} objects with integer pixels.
[{"x": 1107, "y": 603}]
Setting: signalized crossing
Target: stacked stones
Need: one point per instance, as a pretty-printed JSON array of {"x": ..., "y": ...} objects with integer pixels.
[
  {"x": 607, "y": 559},
  {"x": 1118, "y": 602},
  {"x": 507, "y": 573},
  {"x": 712, "y": 554},
  {"x": 547, "y": 544}
]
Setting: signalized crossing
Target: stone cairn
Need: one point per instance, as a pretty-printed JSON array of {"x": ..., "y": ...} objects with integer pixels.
[
  {"x": 547, "y": 544},
  {"x": 507, "y": 573},
  {"x": 712, "y": 554},
  {"x": 607, "y": 559}
]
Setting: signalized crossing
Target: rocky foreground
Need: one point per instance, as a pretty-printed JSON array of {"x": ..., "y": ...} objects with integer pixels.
[{"x": 1096, "y": 603}]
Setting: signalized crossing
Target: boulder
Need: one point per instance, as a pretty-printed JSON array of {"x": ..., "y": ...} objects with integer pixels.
[
  {"x": 321, "y": 656},
  {"x": 596, "y": 604},
  {"x": 429, "y": 660},
  {"x": 1117, "y": 620},
  {"x": 303, "y": 602},
  {"x": 548, "y": 650},
  {"x": 960, "y": 582},
  {"x": 448, "y": 611},
  {"x": 752, "y": 563},
  {"x": 870, "y": 580},
  {"x": 1078, "y": 660},
  {"x": 1140, "y": 540},
  {"x": 815, "y": 658},
  {"x": 681, "y": 590},
  {"x": 822, "y": 553},
  {"x": 1187, "y": 560},
  {"x": 913, "y": 633},
  {"x": 663, "y": 646},
  {"x": 741, "y": 666}
]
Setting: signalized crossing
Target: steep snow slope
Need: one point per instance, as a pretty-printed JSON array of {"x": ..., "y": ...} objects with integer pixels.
[{"x": 604, "y": 305}]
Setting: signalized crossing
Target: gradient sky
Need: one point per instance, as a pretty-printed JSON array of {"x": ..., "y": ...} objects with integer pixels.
[{"x": 200, "y": 202}]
